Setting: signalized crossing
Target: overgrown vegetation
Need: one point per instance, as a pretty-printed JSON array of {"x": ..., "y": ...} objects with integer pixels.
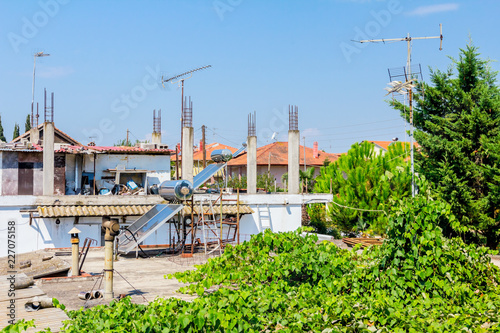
[
  {"x": 418, "y": 281},
  {"x": 367, "y": 181},
  {"x": 457, "y": 117}
]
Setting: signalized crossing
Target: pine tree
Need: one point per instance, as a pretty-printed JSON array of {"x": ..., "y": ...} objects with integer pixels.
[
  {"x": 2, "y": 136},
  {"x": 457, "y": 120},
  {"x": 365, "y": 181},
  {"x": 27, "y": 124},
  {"x": 16, "y": 131}
]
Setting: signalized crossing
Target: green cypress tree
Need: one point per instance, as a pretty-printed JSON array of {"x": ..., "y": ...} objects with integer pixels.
[
  {"x": 457, "y": 120},
  {"x": 16, "y": 131},
  {"x": 27, "y": 124},
  {"x": 2, "y": 136}
]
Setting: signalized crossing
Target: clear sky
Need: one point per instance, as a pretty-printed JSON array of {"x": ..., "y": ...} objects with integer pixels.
[{"x": 107, "y": 59}]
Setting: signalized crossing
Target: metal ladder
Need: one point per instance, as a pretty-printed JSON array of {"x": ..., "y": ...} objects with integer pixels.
[
  {"x": 264, "y": 218},
  {"x": 209, "y": 228}
]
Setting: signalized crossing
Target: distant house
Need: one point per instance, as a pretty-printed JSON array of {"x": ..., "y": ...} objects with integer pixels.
[
  {"x": 77, "y": 168},
  {"x": 383, "y": 146},
  {"x": 198, "y": 156},
  {"x": 273, "y": 158}
]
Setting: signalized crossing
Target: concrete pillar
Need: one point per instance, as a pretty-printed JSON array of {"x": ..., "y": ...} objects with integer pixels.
[
  {"x": 156, "y": 138},
  {"x": 34, "y": 136},
  {"x": 48, "y": 158},
  {"x": 187, "y": 153},
  {"x": 293, "y": 161},
  {"x": 252, "y": 164}
]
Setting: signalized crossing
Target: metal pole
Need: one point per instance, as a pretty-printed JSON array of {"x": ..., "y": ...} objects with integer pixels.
[
  {"x": 192, "y": 224},
  {"x": 177, "y": 163},
  {"x": 33, "y": 89},
  {"x": 182, "y": 110},
  {"x": 220, "y": 236},
  {"x": 204, "y": 147},
  {"x": 305, "y": 167},
  {"x": 238, "y": 213},
  {"x": 108, "y": 270},
  {"x": 95, "y": 156},
  {"x": 411, "y": 118},
  {"x": 36, "y": 55}
]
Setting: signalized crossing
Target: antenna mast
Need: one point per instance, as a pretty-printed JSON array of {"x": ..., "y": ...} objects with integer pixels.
[
  {"x": 180, "y": 79},
  {"x": 409, "y": 86}
]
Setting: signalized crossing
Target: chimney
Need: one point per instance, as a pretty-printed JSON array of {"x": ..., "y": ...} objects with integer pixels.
[
  {"x": 315, "y": 149},
  {"x": 293, "y": 150},
  {"x": 200, "y": 146},
  {"x": 48, "y": 148},
  {"x": 156, "y": 135},
  {"x": 251, "y": 156},
  {"x": 187, "y": 140}
]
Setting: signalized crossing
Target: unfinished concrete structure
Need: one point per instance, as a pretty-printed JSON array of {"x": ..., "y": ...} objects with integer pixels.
[
  {"x": 156, "y": 135},
  {"x": 187, "y": 141},
  {"x": 293, "y": 150},
  {"x": 272, "y": 159},
  {"x": 48, "y": 151},
  {"x": 251, "y": 156}
]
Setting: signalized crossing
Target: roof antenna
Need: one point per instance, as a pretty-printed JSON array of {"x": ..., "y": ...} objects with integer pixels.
[{"x": 407, "y": 85}]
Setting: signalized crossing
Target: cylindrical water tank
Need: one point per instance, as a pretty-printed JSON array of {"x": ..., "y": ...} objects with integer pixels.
[
  {"x": 221, "y": 155},
  {"x": 176, "y": 189}
]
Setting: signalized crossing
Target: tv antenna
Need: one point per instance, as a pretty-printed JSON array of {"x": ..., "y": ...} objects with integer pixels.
[
  {"x": 180, "y": 78},
  {"x": 408, "y": 86}
]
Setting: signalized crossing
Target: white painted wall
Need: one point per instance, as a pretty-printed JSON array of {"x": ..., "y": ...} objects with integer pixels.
[
  {"x": 159, "y": 163},
  {"x": 285, "y": 212}
]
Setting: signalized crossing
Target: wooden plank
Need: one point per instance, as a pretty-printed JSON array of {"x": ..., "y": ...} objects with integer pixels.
[
  {"x": 21, "y": 293},
  {"x": 44, "y": 318},
  {"x": 50, "y": 317}
]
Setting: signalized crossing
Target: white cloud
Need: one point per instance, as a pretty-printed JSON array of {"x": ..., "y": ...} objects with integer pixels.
[
  {"x": 433, "y": 9},
  {"x": 55, "y": 72}
]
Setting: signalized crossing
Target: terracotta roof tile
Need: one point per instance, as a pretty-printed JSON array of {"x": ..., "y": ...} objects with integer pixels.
[
  {"x": 198, "y": 155},
  {"x": 278, "y": 153}
]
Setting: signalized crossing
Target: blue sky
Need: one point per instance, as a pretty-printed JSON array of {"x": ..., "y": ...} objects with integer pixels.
[{"x": 107, "y": 58}]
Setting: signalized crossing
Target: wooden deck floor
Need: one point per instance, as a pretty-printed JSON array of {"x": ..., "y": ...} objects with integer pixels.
[{"x": 51, "y": 317}]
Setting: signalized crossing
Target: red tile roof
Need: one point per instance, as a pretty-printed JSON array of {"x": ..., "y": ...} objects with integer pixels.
[
  {"x": 278, "y": 153},
  {"x": 198, "y": 155}
]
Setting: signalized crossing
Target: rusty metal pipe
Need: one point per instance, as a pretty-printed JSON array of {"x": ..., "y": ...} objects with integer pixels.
[{"x": 108, "y": 270}]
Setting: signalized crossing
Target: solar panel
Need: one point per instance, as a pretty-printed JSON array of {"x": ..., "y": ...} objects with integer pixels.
[
  {"x": 145, "y": 226},
  {"x": 206, "y": 173}
]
